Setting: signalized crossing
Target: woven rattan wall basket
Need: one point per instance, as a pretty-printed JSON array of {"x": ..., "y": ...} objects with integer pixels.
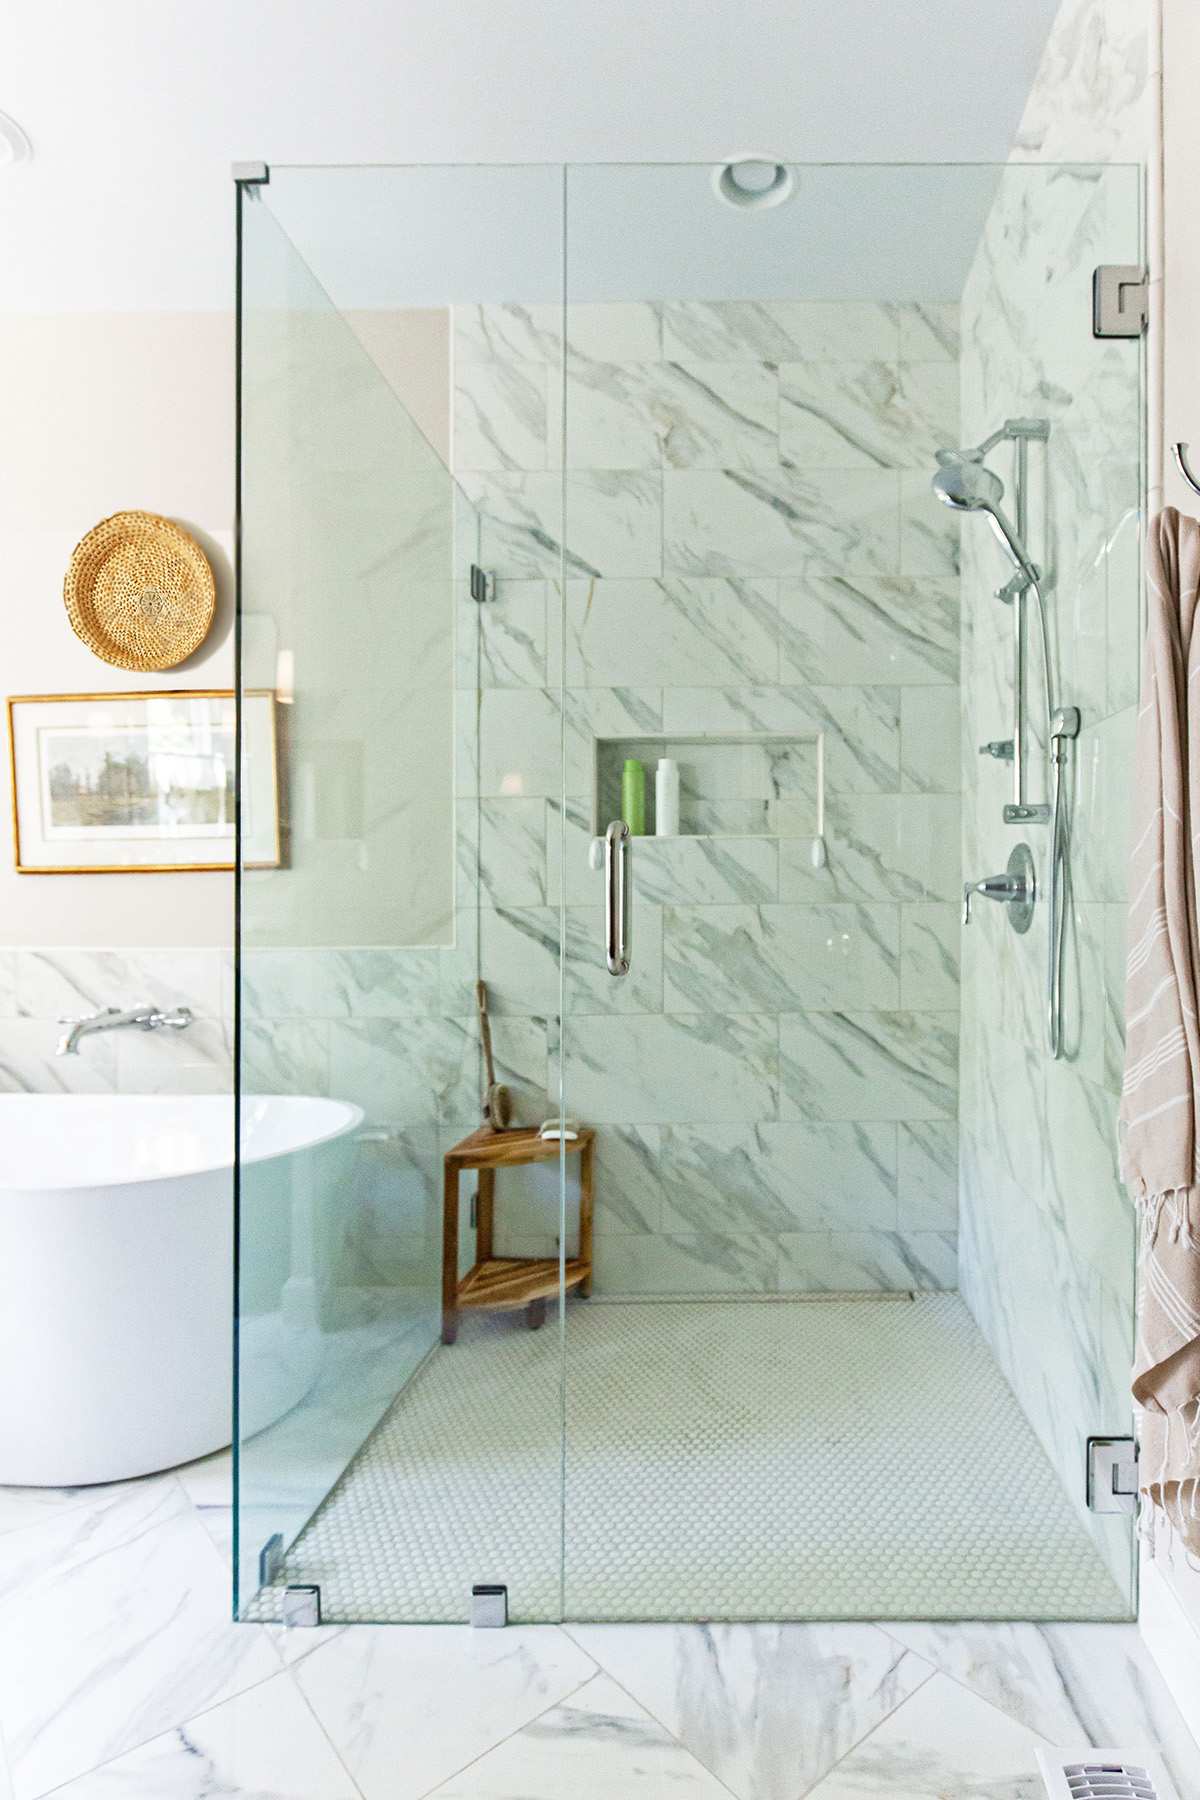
[{"x": 139, "y": 592}]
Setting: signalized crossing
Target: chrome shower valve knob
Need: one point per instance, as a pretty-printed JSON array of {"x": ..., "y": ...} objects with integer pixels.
[{"x": 1015, "y": 888}]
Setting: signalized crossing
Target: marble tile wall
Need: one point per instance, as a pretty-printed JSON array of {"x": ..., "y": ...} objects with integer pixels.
[
  {"x": 40, "y": 987},
  {"x": 1047, "y": 1233},
  {"x": 751, "y": 549}
]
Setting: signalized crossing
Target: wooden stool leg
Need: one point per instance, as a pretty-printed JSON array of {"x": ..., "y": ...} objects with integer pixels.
[
  {"x": 485, "y": 1210},
  {"x": 450, "y": 1252},
  {"x": 535, "y": 1314},
  {"x": 587, "y": 1207}
]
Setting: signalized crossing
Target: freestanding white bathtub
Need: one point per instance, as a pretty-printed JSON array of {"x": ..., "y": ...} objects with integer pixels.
[{"x": 116, "y": 1257}]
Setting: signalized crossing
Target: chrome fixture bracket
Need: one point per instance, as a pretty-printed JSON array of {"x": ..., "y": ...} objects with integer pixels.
[
  {"x": 301, "y": 1604},
  {"x": 483, "y": 585},
  {"x": 1120, "y": 301},
  {"x": 1180, "y": 453},
  {"x": 489, "y": 1605},
  {"x": 1112, "y": 1475},
  {"x": 1016, "y": 889},
  {"x": 999, "y": 748},
  {"x": 250, "y": 174},
  {"x": 1029, "y": 812}
]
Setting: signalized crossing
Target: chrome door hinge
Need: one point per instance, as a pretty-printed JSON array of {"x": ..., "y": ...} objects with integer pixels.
[
  {"x": 1112, "y": 1474},
  {"x": 251, "y": 174},
  {"x": 489, "y": 1605},
  {"x": 483, "y": 584},
  {"x": 1120, "y": 301}
]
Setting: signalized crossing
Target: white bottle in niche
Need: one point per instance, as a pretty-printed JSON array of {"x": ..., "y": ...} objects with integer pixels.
[{"x": 666, "y": 798}]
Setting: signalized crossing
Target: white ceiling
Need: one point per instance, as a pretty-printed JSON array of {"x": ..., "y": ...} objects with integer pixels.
[{"x": 136, "y": 108}]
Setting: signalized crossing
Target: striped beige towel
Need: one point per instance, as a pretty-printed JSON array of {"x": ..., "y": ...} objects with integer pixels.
[{"x": 1162, "y": 1052}]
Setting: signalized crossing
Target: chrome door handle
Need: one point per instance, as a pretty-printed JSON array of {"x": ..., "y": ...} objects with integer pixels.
[{"x": 618, "y": 898}]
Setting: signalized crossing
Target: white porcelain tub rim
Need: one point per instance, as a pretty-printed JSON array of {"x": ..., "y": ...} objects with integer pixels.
[{"x": 54, "y": 1142}]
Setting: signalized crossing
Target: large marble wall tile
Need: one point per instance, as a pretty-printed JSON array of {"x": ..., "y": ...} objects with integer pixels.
[
  {"x": 927, "y": 1175},
  {"x": 520, "y": 523},
  {"x": 706, "y": 871},
  {"x": 776, "y": 1178},
  {"x": 769, "y": 1709},
  {"x": 610, "y": 424},
  {"x": 862, "y": 415},
  {"x": 8, "y": 983},
  {"x": 401, "y": 1071},
  {"x": 503, "y": 849},
  {"x": 930, "y": 938},
  {"x": 614, "y": 523},
  {"x": 930, "y": 331},
  {"x": 408, "y": 1706},
  {"x": 605, "y": 713},
  {"x": 1116, "y": 922},
  {"x": 500, "y": 414},
  {"x": 862, "y": 725},
  {"x": 687, "y": 1263},
  {"x": 28, "y": 1064},
  {"x": 930, "y": 740},
  {"x": 674, "y": 1068},
  {"x": 288, "y": 1056},
  {"x": 944, "y": 1740},
  {"x": 615, "y": 330},
  {"x": 880, "y": 846},
  {"x": 896, "y": 1065},
  {"x": 929, "y": 531},
  {"x": 196, "y": 1061},
  {"x": 506, "y": 330},
  {"x": 114, "y": 1622},
  {"x": 780, "y": 958},
  {"x": 520, "y": 742},
  {"x": 852, "y": 1262},
  {"x": 855, "y": 629},
  {"x": 676, "y": 633},
  {"x": 713, "y": 415},
  {"x": 590, "y": 989},
  {"x": 775, "y": 521},
  {"x": 502, "y": 643},
  {"x": 779, "y": 330},
  {"x": 1100, "y": 826},
  {"x": 1081, "y": 1172},
  {"x": 629, "y": 1170},
  {"x": 75, "y": 982}
]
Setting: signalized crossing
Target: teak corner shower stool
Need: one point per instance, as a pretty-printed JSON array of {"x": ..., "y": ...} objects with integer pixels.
[{"x": 506, "y": 1283}]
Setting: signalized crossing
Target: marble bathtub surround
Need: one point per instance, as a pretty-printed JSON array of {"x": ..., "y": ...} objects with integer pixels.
[
  {"x": 751, "y": 553},
  {"x": 39, "y": 988}
]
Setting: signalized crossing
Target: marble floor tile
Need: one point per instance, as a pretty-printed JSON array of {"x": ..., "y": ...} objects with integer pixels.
[
  {"x": 114, "y": 1626},
  {"x": 1069, "y": 1683},
  {"x": 408, "y": 1706},
  {"x": 263, "y": 1745},
  {"x": 942, "y": 1744},
  {"x": 597, "y": 1745},
  {"x": 208, "y": 1484},
  {"x": 769, "y": 1709}
]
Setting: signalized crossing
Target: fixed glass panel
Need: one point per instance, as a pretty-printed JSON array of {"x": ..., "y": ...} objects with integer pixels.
[
  {"x": 862, "y": 1263},
  {"x": 395, "y": 583}
]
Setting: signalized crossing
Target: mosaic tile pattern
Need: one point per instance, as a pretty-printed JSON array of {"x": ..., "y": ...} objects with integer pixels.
[{"x": 740, "y": 1461}]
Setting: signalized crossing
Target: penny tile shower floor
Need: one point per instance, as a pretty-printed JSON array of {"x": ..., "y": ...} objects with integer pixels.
[{"x": 852, "y": 1459}]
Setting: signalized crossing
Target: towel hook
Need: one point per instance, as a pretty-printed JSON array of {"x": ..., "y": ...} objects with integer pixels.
[{"x": 1180, "y": 453}]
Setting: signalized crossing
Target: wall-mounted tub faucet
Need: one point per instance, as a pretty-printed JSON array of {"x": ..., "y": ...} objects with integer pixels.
[{"x": 144, "y": 1018}]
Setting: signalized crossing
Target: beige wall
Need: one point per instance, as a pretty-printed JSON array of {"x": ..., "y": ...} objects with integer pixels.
[{"x": 104, "y": 412}]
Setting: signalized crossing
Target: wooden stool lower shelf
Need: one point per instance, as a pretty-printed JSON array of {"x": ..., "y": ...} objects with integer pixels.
[{"x": 507, "y": 1283}]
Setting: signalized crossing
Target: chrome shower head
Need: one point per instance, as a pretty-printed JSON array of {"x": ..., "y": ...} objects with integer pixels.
[{"x": 964, "y": 483}]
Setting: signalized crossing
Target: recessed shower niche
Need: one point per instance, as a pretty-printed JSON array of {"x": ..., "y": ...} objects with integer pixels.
[
  {"x": 862, "y": 1287},
  {"x": 752, "y": 786}
]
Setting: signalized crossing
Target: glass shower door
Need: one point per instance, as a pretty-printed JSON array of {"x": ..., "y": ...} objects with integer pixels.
[{"x": 815, "y": 1374}]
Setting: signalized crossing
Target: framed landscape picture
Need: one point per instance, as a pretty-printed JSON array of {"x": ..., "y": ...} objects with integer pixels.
[{"x": 106, "y": 782}]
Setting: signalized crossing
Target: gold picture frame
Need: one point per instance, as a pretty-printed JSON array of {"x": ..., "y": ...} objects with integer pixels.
[{"x": 143, "y": 780}]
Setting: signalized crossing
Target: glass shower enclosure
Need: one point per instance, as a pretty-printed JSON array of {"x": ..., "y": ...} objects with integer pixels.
[{"x": 652, "y": 1199}]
